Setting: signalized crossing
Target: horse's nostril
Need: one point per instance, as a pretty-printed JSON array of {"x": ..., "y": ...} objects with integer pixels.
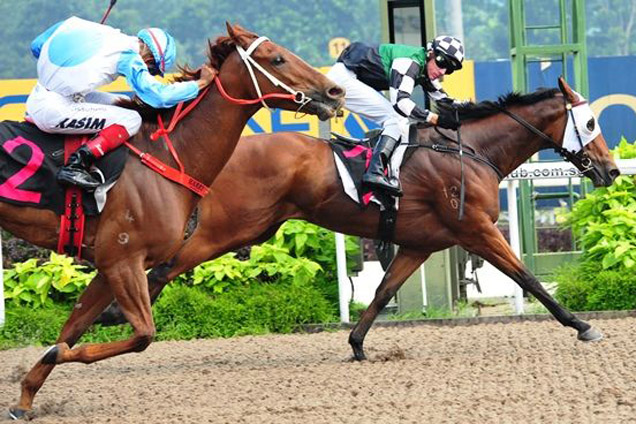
[
  {"x": 336, "y": 92},
  {"x": 614, "y": 173}
]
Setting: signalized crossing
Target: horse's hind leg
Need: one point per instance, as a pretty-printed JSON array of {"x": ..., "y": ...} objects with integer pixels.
[
  {"x": 402, "y": 266},
  {"x": 89, "y": 305},
  {"x": 490, "y": 244}
]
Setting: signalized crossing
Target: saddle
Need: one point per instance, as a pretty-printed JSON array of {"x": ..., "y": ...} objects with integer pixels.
[
  {"x": 352, "y": 157},
  {"x": 29, "y": 161}
]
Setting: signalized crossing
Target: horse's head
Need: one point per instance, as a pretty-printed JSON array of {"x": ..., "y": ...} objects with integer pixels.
[
  {"x": 261, "y": 67},
  {"x": 583, "y": 142}
]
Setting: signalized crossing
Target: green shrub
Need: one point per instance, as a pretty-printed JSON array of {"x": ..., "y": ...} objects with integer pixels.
[
  {"x": 186, "y": 313},
  {"x": 587, "y": 287},
  {"x": 573, "y": 287},
  {"x": 36, "y": 284},
  {"x": 25, "y": 325}
]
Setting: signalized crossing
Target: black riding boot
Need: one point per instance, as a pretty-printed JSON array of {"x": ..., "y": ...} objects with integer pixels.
[
  {"x": 75, "y": 172},
  {"x": 374, "y": 177}
]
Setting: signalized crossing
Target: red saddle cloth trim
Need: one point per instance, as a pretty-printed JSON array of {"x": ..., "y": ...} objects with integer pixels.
[{"x": 73, "y": 219}]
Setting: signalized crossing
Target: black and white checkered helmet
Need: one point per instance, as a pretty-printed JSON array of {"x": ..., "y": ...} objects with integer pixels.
[{"x": 450, "y": 47}]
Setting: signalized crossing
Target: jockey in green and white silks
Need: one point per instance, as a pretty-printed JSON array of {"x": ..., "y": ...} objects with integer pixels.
[
  {"x": 363, "y": 69},
  {"x": 75, "y": 58}
]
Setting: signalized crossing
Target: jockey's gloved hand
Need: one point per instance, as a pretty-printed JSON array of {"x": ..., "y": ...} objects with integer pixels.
[{"x": 448, "y": 120}]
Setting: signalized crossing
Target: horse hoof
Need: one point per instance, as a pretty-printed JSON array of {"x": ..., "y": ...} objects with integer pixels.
[
  {"x": 590, "y": 335},
  {"x": 359, "y": 356},
  {"x": 50, "y": 356},
  {"x": 17, "y": 414}
]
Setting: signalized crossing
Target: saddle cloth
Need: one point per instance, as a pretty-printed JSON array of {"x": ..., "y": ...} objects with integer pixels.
[
  {"x": 29, "y": 161},
  {"x": 352, "y": 157}
]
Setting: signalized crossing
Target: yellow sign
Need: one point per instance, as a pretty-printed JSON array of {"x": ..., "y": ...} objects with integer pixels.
[
  {"x": 337, "y": 45},
  {"x": 461, "y": 84}
]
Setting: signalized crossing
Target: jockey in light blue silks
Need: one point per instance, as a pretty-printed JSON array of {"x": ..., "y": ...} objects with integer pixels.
[{"x": 75, "y": 58}]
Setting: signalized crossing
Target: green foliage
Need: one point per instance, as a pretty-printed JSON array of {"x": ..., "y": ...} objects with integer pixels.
[
  {"x": 267, "y": 263},
  {"x": 588, "y": 287},
  {"x": 27, "y": 326},
  {"x": 184, "y": 313},
  {"x": 303, "y": 239},
  {"x": 36, "y": 285},
  {"x": 625, "y": 149},
  {"x": 605, "y": 224},
  {"x": 273, "y": 291},
  {"x": 605, "y": 221},
  {"x": 356, "y": 309}
]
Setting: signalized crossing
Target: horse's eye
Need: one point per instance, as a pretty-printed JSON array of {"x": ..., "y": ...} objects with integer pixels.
[
  {"x": 590, "y": 124},
  {"x": 278, "y": 60}
]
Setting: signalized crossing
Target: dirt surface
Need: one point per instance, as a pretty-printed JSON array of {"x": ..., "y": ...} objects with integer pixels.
[{"x": 526, "y": 372}]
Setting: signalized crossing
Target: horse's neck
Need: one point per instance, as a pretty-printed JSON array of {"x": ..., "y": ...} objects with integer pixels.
[
  {"x": 511, "y": 144},
  {"x": 207, "y": 136}
]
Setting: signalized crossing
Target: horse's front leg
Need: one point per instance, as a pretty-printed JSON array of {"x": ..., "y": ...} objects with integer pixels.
[
  {"x": 89, "y": 305},
  {"x": 489, "y": 243},
  {"x": 402, "y": 266},
  {"x": 129, "y": 285}
]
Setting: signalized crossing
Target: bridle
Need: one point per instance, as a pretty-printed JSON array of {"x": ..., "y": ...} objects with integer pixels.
[
  {"x": 246, "y": 55},
  {"x": 579, "y": 159}
]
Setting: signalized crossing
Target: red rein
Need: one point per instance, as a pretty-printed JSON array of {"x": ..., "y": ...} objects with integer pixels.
[
  {"x": 179, "y": 176},
  {"x": 250, "y": 101}
]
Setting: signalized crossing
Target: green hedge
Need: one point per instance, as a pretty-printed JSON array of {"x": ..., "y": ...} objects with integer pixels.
[
  {"x": 184, "y": 313},
  {"x": 587, "y": 287}
]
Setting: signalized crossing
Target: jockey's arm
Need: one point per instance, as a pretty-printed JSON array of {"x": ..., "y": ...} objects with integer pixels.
[
  {"x": 404, "y": 72},
  {"x": 150, "y": 90},
  {"x": 38, "y": 42}
]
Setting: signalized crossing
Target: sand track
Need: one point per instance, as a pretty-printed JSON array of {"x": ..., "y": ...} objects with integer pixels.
[{"x": 527, "y": 372}]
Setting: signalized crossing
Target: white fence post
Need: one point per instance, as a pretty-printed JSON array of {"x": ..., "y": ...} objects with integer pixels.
[
  {"x": 344, "y": 288},
  {"x": 515, "y": 242}
]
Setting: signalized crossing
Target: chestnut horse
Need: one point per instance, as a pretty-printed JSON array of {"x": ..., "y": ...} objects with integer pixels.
[
  {"x": 143, "y": 222},
  {"x": 294, "y": 176}
]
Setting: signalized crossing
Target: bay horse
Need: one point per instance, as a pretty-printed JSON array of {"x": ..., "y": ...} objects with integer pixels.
[
  {"x": 143, "y": 222},
  {"x": 294, "y": 176}
]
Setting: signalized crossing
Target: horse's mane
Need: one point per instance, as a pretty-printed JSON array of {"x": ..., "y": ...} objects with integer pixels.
[
  {"x": 471, "y": 111},
  {"x": 217, "y": 53}
]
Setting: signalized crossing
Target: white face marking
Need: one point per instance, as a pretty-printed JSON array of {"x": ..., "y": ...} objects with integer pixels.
[{"x": 123, "y": 238}]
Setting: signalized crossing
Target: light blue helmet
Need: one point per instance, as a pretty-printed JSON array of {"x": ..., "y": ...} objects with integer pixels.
[{"x": 162, "y": 46}]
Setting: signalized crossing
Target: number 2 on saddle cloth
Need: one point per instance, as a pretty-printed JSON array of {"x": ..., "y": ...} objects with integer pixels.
[{"x": 29, "y": 160}]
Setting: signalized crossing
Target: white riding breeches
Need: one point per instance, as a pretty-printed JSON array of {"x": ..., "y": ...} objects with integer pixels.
[
  {"x": 368, "y": 102},
  {"x": 53, "y": 113}
]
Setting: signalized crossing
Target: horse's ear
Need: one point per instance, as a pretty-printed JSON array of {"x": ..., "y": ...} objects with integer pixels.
[
  {"x": 567, "y": 91},
  {"x": 239, "y": 35},
  {"x": 230, "y": 30}
]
